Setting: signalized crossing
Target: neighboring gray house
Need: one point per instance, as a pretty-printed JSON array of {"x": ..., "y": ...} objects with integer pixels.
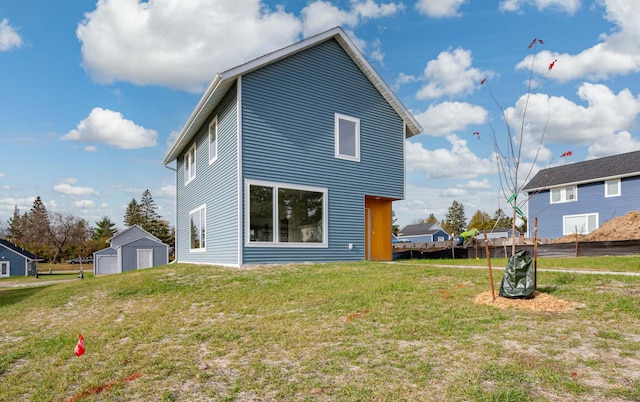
[
  {"x": 423, "y": 232},
  {"x": 131, "y": 249},
  {"x": 584, "y": 195},
  {"x": 295, "y": 156},
  {"x": 15, "y": 261},
  {"x": 499, "y": 233}
]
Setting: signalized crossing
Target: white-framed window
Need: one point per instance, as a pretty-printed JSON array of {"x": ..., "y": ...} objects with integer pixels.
[
  {"x": 347, "y": 133},
  {"x": 581, "y": 224},
  {"x": 4, "y": 268},
  {"x": 213, "y": 140},
  {"x": 564, "y": 194},
  {"x": 612, "y": 188},
  {"x": 190, "y": 164},
  {"x": 285, "y": 215},
  {"x": 197, "y": 228}
]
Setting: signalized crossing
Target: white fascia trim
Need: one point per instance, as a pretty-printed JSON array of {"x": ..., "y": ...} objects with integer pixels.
[{"x": 239, "y": 167}]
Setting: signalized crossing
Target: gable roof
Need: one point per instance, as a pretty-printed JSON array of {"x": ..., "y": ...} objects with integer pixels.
[
  {"x": 131, "y": 228},
  {"x": 609, "y": 167},
  {"x": 420, "y": 229},
  {"x": 223, "y": 81},
  {"x": 17, "y": 250}
]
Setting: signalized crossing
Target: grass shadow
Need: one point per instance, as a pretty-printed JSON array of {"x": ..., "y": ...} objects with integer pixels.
[{"x": 16, "y": 295}]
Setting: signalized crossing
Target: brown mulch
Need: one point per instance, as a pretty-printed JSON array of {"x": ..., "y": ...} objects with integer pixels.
[{"x": 539, "y": 302}]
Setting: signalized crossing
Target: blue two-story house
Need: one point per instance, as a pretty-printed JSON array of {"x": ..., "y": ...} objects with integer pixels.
[
  {"x": 295, "y": 156},
  {"x": 580, "y": 197}
]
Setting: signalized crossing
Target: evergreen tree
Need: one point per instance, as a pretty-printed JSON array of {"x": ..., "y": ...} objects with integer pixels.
[
  {"x": 105, "y": 229},
  {"x": 16, "y": 227},
  {"x": 133, "y": 214},
  {"x": 455, "y": 220},
  {"x": 395, "y": 228},
  {"x": 36, "y": 229}
]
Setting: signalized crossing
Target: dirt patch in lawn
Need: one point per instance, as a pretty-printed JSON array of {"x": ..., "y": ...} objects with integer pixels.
[{"x": 539, "y": 302}]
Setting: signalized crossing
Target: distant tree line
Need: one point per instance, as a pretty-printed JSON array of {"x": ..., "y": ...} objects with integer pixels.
[
  {"x": 56, "y": 237},
  {"x": 455, "y": 220}
]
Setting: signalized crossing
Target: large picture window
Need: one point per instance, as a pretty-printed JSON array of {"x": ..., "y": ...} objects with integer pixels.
[
  {"x": 213, "y": 140},
  {"x": 581, "y": 224},
  {"x": 197, "y": 228},
  {"x": 347, "y": 132},
  {"x": 286, "y": 215},
  {"x": 563, "y": 194},
  {"x": 190, "y": 164}
]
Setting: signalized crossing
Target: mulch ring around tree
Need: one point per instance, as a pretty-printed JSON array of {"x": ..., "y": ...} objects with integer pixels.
[{"x": 539, "y": 302}]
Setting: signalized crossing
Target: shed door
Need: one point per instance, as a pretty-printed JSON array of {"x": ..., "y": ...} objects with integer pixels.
[
  {"x": 377, "y": 229},
  {"x": 4, "y": 268},
  {"x": 106, "y": 264},
  {"x": 145, "y": 258}
]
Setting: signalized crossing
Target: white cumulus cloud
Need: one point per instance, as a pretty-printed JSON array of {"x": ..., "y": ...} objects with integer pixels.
[
  {"x": 447, "y": 117},
  {"x": 457, "y": 162},
  {"x": 109, "y": 127},
  {"x": 9, "y": 37},
  {"x": 616, "y": 54},
  {"x": 602, "y": 117},
  {"x": 176, "y": 43},
  {"x": 440, "y": 8},
  {"x": 567, "y": 6},
  {"x": 66, "y": 186},
  {"x": 451, "y": 74}
]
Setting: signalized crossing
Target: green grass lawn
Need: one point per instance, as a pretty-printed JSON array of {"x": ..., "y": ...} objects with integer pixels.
[{"x": 323, "y": 332}]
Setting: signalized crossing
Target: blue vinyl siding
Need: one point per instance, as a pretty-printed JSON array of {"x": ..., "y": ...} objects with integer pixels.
[
  {"x": 17, "y": 263},
  {"x": 129, "y": 253},
  {"x": 590, "y": 199},
  {"x": 215, "y": 185},
  {"x": 288, "y": 137}
]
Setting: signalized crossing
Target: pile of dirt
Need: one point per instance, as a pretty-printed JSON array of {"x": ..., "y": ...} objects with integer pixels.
[
  {"x": 626, "y": 227},
  {"x": 539, "y": 302}
]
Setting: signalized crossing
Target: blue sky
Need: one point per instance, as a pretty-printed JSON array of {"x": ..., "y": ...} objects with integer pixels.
[{"x": 93, "y": 93}]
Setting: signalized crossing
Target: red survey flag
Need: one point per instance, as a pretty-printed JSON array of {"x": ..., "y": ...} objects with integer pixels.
[{"x": 79, "y": 350}]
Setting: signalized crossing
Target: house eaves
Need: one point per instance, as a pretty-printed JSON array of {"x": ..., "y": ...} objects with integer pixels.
[
  {"x": 222, "y": 82},
  {"x": 594, "y": 170}
]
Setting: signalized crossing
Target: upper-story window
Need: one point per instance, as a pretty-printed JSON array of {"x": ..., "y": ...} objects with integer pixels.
[
  {"x": 612, "y": 188},
  {"x": 564, "y": 194},
  {"x": 190, "y": 164},
  {"x": 213, "y": 140},
  {"x": 347, "y": 131}
]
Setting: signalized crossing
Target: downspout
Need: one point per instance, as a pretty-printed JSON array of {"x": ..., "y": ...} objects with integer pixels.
[{"x": 175, "y": 214}]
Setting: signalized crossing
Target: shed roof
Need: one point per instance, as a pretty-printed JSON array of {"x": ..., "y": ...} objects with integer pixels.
[
  {"x": 223, "y": 81},
  {"x": 609, "y": 167},
  {"x": 122, "y": 232},
  {"x": 419, "y": 229},
  {"x": 18, "y": 250}
]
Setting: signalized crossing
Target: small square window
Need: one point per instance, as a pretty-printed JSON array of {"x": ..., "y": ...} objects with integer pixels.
[
  {"x": 347, "y": 133},
  {"x": 612, "y": 188}
]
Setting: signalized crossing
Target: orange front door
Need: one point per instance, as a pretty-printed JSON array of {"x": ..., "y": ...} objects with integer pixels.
[{"x": 377, "y": 227}]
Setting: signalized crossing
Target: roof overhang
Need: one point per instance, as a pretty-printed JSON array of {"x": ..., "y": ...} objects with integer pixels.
[{"x": 222, "y": 82}]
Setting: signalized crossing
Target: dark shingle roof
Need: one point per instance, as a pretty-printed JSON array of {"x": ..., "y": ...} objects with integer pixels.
[
  {"x": 419, "y": 229},
  {"x": 17, "y": 249},
  {"x": 592, "y": 170}
]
